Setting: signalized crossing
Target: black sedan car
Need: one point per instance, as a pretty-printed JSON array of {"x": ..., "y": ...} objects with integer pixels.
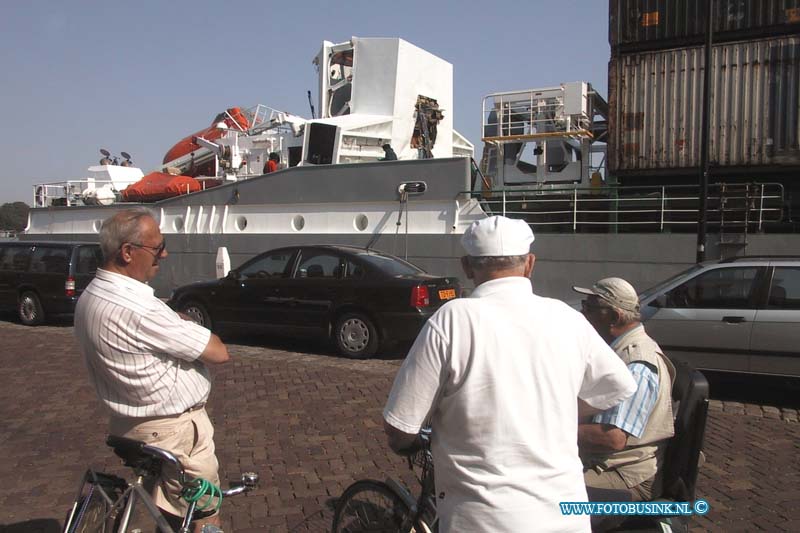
[{"x": 360, "y": 298}]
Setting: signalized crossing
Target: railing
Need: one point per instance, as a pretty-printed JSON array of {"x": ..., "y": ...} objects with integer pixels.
[
  {"x": 71, "y": 192},
  {"x": 65, "y": 193},
  {"x": 532, "y": 114},
  {"x": 731, "y": 207}
]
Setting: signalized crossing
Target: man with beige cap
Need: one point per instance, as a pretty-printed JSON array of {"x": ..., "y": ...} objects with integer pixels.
[
  {"x": 623, "y": 447},
  {"x": 499, "y": 376}
]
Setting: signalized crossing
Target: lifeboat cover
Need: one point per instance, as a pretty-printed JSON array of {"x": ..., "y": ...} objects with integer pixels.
[{"x": 158, "y": 185}]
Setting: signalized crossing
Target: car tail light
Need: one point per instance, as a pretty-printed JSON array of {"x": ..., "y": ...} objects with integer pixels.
[
  {"x": 69, "y": 287},
  {"x": 420, "y": 297}
]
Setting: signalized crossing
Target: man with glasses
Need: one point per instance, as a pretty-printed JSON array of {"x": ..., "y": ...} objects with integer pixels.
[
  {"x": 147, "y": 363},
  {"x": 623, "y": 446}
]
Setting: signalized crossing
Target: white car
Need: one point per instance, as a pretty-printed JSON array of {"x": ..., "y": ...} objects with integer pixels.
[{"x": 737, "y": 315}]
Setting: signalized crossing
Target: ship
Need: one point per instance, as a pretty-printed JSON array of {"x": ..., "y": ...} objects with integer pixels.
[{"x": 578, "y": 169}]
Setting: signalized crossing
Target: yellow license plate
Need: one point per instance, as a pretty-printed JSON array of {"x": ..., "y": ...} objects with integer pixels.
[{"x": 447, "y": 294}]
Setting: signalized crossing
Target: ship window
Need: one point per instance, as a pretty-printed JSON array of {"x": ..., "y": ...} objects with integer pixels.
[
  {"x": 361, "y": 222},
  {"x": 241, "y": 223},
  {"x": 298, "y": 222}
]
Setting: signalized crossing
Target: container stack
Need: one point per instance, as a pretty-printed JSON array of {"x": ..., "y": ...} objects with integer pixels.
[{"x": 655, "y": 80}]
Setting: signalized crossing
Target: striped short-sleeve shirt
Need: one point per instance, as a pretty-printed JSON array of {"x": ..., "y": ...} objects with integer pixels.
[
  {"x": 141, "y": 356},
  {"x": 631, "y": 415}
]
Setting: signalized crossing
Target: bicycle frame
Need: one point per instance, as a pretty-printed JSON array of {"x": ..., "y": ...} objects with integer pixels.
[
  {"x": 137, "y": 490},
  {"x": 427, "y": 497},
  {"x": 124, "y": 504},
  {"x": 119, "y": 506},
  {"x": 418, "y": 508}
]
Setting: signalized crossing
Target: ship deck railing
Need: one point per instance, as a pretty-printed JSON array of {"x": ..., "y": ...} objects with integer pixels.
[
  {"x": 66, "y": 192},
  {"x": 731, "y": 207}
]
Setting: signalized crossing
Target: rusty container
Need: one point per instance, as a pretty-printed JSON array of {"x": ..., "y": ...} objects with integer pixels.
[{"x": 655, "y": 109}]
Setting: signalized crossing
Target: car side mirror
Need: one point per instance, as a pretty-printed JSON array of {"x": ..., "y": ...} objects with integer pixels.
[
  {"x": 233, "y": 275},
  {"x": 302, "y": 273},
  {"x": 659, "y": 301}
]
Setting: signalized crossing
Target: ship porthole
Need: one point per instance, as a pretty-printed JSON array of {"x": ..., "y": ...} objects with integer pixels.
[
  {"x": 96, "y": 225},
  {"x": 298, "y": 222},
  {"x": 177, "y": 224},
  {"x": 361, "y": 222},
  {"x": 241, "y": 223}
]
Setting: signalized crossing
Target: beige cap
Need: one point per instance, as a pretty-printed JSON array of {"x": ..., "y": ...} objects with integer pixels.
[
  {"x": 614, "y": 291},
  {"x": 497, "y": 236}
]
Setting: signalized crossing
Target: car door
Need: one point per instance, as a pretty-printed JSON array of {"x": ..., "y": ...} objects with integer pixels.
[
  {"x": 5, "y": 283},
  {"x": 48, "y": 273},
  {"x": 256, "y": 295},
  {"x": 708, "y": 319},
  {"x": 775, "y": 342},
  {"x": 313, "y": 289},
  {"x": 13, "y": 265},
  {"x": 86, "y": 259}
]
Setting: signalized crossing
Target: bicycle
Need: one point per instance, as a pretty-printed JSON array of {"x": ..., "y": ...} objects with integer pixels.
[
  {"x": 371, "y": 505},
  {"x": 105, "y": 502}
]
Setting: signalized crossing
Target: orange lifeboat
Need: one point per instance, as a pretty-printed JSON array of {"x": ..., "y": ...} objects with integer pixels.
[
  {"x": 158, "y": 185},
  {"x": 234, "y": 117}
]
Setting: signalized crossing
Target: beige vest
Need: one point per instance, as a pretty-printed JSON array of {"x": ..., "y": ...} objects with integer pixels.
[{"x": 642, "y": 456}]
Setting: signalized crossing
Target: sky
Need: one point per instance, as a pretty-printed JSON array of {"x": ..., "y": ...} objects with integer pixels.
[{"x": 138, "y": 76}]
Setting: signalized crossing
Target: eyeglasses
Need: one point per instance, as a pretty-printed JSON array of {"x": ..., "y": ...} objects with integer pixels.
[
  {"x": 586, "y": 305},
  {"x": 156, "y": 250}
]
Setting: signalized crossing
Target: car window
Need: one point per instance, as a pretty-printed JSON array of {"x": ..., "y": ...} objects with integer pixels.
[
  {"x": 656, "y": 289},
  {"x": 50, "y": 260},
  {"x": 274, "y": 265},
  {"x": 15, "y": 258},
  {"x": 720, "y": 288},
  {"x": 785, "y": 290},
  {"x": 89, "y": 258},
  {"x": 319, "y": 265},
  {"x": 390, "y": 265},
  {"x": 354, "y": 271}
]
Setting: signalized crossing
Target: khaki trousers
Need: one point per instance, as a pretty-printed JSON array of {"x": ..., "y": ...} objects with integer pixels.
[
  {"x": 189, "y": 436},
  {"x": 610, "y": 479}
]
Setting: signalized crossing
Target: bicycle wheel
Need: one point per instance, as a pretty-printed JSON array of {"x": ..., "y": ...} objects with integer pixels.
[{"x": 370, "y": 506}]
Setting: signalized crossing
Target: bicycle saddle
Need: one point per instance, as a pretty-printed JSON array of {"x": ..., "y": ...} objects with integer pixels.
[{"x": 143, "y": 458}]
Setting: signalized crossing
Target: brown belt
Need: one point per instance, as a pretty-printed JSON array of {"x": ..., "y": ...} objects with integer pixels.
[{"x": 195, "y": 407}]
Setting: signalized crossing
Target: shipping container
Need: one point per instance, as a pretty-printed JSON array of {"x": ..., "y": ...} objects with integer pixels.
[
  {"x": 656, "y": 102},
  {"x": 639, "y": 25}
]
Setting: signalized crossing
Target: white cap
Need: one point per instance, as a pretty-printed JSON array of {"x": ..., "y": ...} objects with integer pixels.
[
  {"x": 497, "y": 236},
  {"x": 614, "y": 291}
]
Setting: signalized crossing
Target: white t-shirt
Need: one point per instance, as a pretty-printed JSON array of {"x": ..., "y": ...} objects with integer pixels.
[
  {"x": 499, "y": 374},
  {"x": 142, "y": 357}
]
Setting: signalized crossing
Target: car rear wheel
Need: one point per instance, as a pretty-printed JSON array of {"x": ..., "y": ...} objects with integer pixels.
[
  {"x": 356, "y": 337},
  {"x": 197, "y": 312},
  {"x": 30, "y": 309}
]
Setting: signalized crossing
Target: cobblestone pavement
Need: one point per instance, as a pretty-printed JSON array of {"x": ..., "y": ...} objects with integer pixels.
[{"x": 310, "y": 424}]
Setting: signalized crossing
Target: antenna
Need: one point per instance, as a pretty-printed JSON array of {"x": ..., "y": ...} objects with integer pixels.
[{"x": 310, "y": 103}]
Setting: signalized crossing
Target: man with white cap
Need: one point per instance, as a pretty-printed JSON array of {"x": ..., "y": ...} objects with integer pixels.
[
  {"x": 499, "y": 376},
  {"x": 623, "y": 446}
]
